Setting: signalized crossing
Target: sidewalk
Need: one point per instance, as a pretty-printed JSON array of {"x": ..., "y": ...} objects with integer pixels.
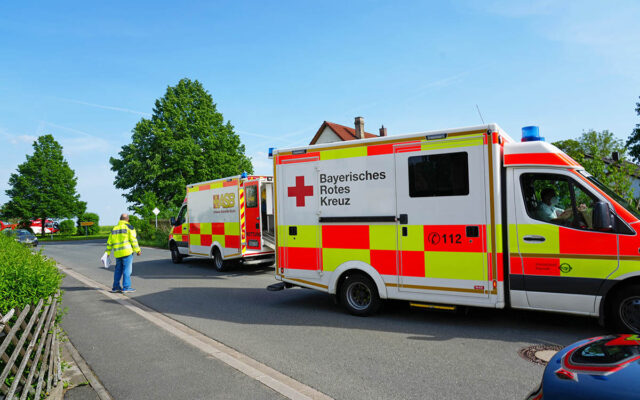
[{"x": 134, "y": 359}]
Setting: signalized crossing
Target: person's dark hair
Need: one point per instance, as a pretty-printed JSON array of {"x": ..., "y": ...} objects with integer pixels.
[
  {"x": 124, "y": 217},
  {"x": 547, "y": 193}
]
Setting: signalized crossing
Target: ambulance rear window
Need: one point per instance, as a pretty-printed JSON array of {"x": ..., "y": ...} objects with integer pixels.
[
  {"x": 438, "y": 175},
  {"x": 251, "y": 194}
]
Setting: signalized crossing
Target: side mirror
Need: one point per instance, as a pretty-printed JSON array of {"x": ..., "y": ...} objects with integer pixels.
[
  {"x": 172, "y": 221},
  {"x": 602, "y": 218}
]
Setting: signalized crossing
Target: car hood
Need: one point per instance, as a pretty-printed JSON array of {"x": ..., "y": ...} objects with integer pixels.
[{"x": 599, "y": 367}]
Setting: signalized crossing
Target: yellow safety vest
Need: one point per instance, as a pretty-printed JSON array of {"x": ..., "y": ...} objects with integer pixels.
[{"x": 122, "y": 240}]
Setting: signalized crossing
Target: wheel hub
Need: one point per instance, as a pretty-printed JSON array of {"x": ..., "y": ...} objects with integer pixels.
[
  {"x": 630, "y": 313},
  {"x": 359, "y": 296}
]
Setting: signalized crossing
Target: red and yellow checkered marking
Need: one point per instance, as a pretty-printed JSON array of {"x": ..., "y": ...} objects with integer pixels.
[
  {"x": 427, "y": 251},
  {"x": 227, "y": 234},
  {"x": 212, "y": 185}
]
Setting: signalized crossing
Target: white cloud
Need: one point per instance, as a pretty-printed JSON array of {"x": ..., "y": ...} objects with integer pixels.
[
  {"x": 262, "y": 165},
  {"x": 104, "y": 107},
  {"x": 23, "y": 139},
  {"x": 609, "y": 29}
]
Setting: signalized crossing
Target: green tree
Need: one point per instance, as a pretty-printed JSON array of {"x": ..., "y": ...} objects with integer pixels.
[
  {"x": 633, "y": 143},
  {"x": 91, "y": 230},
  {"x": 44, "y": 185},
  {"x": 185, "y": 141},
  {"x": 148, "y": 202},
  {"x": 593, "y": 150},
  {"x": 67, "y": 227}
]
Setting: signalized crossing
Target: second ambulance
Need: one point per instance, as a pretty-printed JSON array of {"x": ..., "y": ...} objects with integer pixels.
[
  {"x": 229, "y": 220},
  {"x": 457, "y": 217}
]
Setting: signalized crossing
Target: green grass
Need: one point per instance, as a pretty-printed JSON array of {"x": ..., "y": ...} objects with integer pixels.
[
  {"x": 160, "y": 243},
  {"x": 62, "y": 238},
  {"x": 106, "y": 229}
]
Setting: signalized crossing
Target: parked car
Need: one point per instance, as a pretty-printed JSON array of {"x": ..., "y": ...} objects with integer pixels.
[
  {"x": 7, "y": 225},
  {"x": 22, "y": 236},
  {"x": 603, "y": 367}
]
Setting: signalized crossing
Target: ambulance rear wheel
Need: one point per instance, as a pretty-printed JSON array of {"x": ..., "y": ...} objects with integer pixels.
[
  {"x": 359, "y": 294},
  {"x": 625, "y": 310},
  {"x": 218, "y": 261},
  {"x": 176, "y": 257}
]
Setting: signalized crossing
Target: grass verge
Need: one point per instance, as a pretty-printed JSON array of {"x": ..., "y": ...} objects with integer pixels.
[{"x": 62, "y": 238}]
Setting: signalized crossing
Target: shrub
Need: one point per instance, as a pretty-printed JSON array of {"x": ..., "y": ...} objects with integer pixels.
[
  {"x": 148, "y": 235},
  {"x": 67, "y": 227},
  {"x": 25, "y": 277},
  {"x": 89, "y": 217}
]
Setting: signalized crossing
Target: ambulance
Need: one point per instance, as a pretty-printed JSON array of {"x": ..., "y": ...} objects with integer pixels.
[
  {"x": 230, "y": 220},
  {"x": 465, "y": 217}
]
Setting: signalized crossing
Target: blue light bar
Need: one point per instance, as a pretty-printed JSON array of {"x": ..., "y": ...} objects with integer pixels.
[
  {"x": 531, "y": 134},
  {"x": 271, "y": 149},
  {"x": 244, "y": 175}
]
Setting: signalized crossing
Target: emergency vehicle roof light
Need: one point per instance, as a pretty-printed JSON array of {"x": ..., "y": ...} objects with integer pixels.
[
  {"x": 244, "y": 175},
  {"x": 531, "y": 134},
  {"x": 271, "y": 152}
]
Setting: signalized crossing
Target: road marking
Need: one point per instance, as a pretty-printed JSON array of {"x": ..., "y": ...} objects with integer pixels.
[{"x": 254, "y": 369}]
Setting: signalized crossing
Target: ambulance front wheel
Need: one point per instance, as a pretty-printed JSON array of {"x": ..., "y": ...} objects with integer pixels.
[
  {"x": 625, "y": 309},
  {"x": 176, "y": 257},
  {"x": 359, "y": 294}
]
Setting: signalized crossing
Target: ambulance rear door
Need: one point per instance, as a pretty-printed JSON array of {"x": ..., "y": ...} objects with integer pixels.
[
  {"x": 441, "y": 204},
  {"x": 252, "y": 214},
  {"x": 298, "y": 231}
]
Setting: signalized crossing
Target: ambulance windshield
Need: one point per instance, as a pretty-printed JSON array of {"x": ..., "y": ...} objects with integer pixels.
[{"x": 612, "y": 194}]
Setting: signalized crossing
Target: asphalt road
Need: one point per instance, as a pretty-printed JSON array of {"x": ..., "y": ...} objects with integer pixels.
[{"x": 402, "y": 353}]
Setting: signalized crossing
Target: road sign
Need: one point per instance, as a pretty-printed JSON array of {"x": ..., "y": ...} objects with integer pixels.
[
  {"x": 86, "y": 223},
  {"x": 156, "y": 212}
]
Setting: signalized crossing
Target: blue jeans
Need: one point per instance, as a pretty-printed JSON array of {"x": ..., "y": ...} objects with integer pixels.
[{"x": 124, "y": 265}]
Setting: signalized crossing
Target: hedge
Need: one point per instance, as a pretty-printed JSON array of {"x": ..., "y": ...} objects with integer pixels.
[
  {"x": 25, "y": 277},
  {"x": 88, "y": 217},
  {"x": 67, "y": 227}
]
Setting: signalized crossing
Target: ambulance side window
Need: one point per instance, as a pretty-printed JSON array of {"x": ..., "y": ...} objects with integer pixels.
[
  {"x": 251, "y": 194},
  {"x": 437, "y": 175},
  {"x": 182, "y": 216},
  {"x": 557, "y": 200}
]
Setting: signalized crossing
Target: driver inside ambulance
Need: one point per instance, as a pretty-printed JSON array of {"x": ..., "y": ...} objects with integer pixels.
[{"x": 548, "y": 209}]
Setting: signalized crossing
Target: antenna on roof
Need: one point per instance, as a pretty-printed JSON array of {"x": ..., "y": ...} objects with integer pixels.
[{"x": 480, "y": 114}]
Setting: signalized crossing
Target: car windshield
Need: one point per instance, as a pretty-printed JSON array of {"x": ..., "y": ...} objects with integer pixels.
[
  {"x": 612, "y": 194},
  {"x": 604, "y": 351}
]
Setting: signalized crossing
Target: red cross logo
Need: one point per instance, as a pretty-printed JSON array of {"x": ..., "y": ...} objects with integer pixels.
[{"x": 300, "y": 191}]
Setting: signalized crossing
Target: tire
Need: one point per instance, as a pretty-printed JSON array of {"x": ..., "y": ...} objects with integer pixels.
[
  {"x": 624, "y": 310},
  {"x": 359, "y": 295},
  {"x": 218, "y": 262},
  {"x": 176, "y": 257}
]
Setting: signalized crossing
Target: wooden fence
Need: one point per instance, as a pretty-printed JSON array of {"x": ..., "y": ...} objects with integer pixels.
[{"x": 26, "y": 372}]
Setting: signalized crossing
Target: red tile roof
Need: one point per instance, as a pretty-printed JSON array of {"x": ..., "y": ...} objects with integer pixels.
[{"x": 343, "y": 132}]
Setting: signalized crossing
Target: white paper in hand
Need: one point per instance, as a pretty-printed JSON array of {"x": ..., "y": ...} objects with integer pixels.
[{"x": 105, "y": 261}]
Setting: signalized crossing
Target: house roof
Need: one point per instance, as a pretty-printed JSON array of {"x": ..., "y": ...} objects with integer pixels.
[{"x": 344, "y": 132}]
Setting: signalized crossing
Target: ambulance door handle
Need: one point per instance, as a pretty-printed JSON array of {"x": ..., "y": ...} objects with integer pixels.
[
  {"x": 534, "y": 238},
  {"x": 403, "y": 219},
  {"x": 405, "y": 231}
]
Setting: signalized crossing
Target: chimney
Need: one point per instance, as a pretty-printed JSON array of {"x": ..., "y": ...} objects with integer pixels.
[
  {"x": 383, "y": 131},
  {"x": 359, "y": 128}
]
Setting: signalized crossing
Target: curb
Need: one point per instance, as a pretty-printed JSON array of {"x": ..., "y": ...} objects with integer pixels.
[{"x": 100, "y": 390}]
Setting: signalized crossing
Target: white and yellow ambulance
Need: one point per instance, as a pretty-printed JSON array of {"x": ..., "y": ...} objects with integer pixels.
[
  {"x": 229, "y": 220},
  {"x": 456, "y": 217}
]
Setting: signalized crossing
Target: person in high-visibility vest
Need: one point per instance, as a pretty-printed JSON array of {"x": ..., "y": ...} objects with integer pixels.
[{"x": 123, "y": 242}]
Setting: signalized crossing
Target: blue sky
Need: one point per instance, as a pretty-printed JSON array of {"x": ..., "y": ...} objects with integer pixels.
[{"x": 86, "y": 73}]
